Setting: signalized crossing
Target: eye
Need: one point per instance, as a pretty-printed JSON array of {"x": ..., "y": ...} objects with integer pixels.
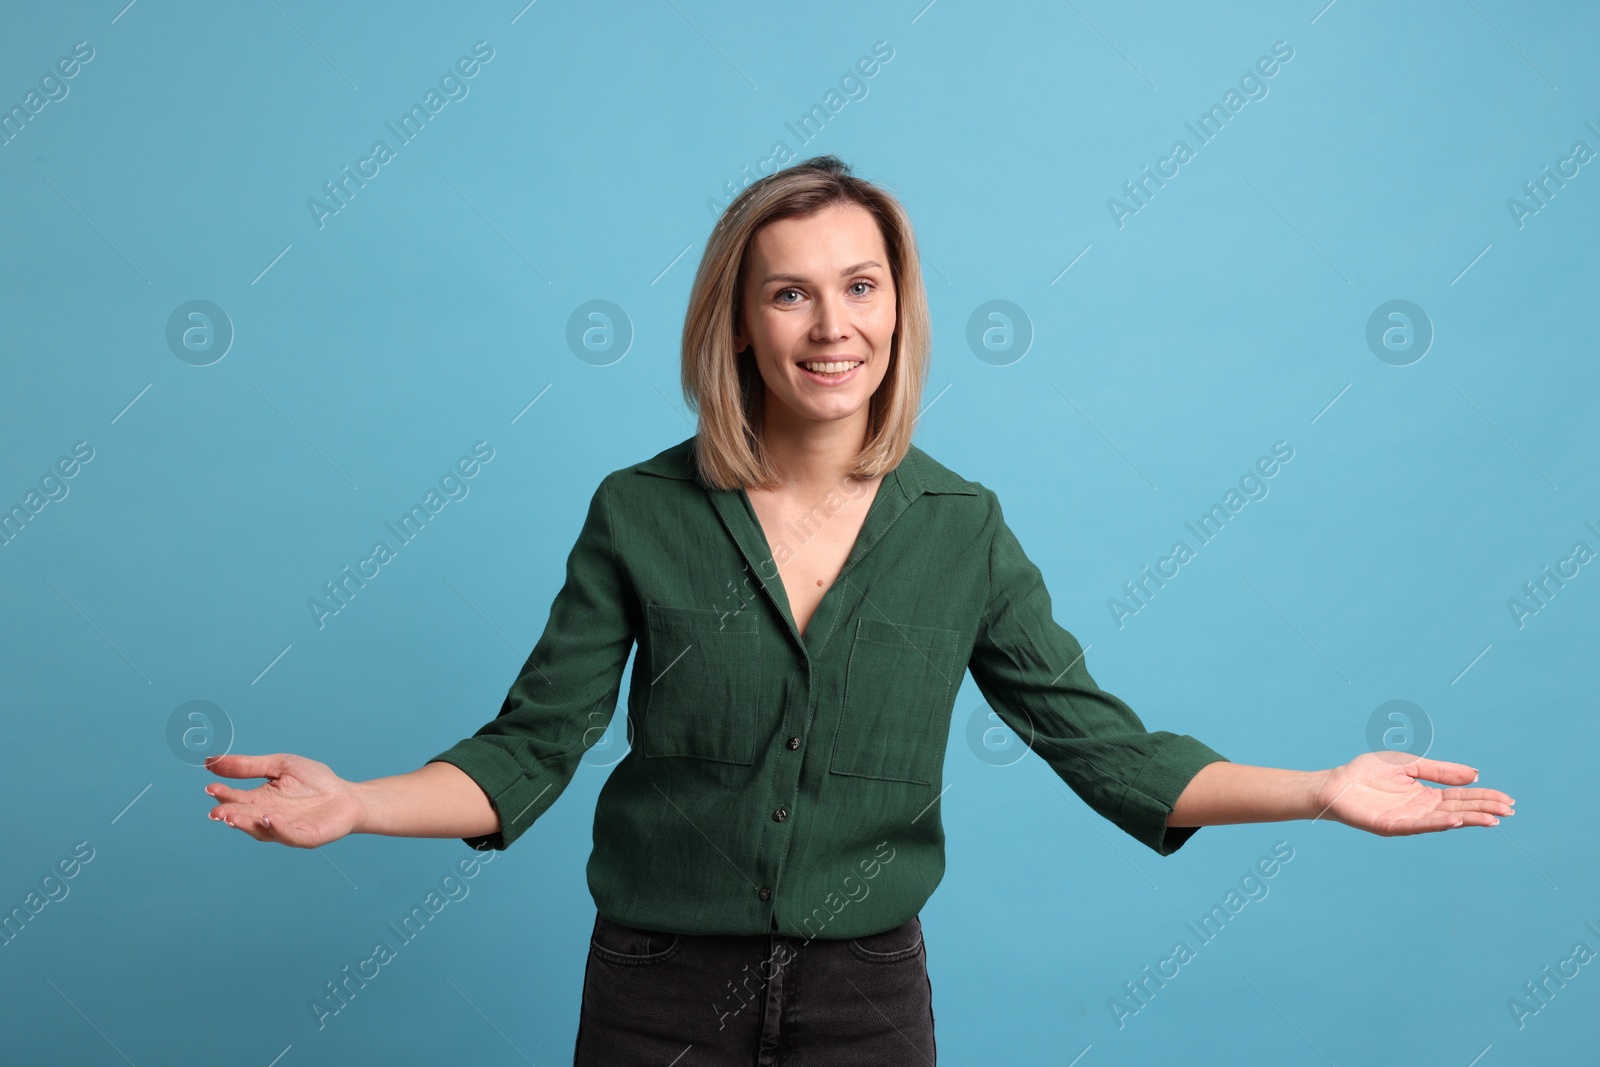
[
  {"x": 780, "y": 293},
  {"x": 862, "y": 281}
]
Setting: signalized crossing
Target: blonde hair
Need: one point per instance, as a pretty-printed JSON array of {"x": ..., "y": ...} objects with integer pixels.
[{"x": 725, "y": 387}]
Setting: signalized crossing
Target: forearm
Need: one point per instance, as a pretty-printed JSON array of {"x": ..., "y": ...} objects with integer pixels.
[
  {"x": 1223, "y": 793},
  {"x": 436, "y": 800}
]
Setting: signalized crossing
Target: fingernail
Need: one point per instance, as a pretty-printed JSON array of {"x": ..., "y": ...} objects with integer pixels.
[{"x": 1495, "y": 823}]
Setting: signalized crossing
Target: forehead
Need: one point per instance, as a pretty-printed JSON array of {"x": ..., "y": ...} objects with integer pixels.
[{"x": 826, "y": 241}]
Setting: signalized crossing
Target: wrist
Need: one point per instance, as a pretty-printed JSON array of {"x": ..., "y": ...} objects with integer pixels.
[
  {"x": 1313, "y": 801},
  {"x": 364, "y": 807}
]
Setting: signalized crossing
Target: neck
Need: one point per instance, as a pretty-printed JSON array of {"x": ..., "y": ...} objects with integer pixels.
[{"x": 813, "y": 455}]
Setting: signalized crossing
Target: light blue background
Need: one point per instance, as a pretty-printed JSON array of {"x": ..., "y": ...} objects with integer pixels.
[{"x": 1229, "y": 313}]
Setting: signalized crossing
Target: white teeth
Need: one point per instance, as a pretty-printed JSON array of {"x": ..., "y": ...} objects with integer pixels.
[{"x": 830, "y": 368}]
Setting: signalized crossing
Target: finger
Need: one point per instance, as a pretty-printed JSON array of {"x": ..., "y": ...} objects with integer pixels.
[
  {"x": 240, "y": 766},
  {"x": 1493, "y": 807},
  {"x": 1477, "y": 818},
  {"x": 224, "y": 813},
  {"x": 255, "y": 823},
  {"x": 1458, "y": 793},
  {"x": 1433, "y": 770},
  {"x": 1450, "y": 820},
  {"x": 237, "y": 814},
  {"x": 229, "y": 794},
  {"x": 1432, "y": 822}
]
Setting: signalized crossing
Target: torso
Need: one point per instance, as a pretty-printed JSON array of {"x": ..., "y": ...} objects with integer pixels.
[{"x": 818, "y": 541}]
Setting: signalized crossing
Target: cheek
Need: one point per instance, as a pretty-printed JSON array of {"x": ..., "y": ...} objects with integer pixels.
[
  {"x": 772, "y": 372},
  {"x": 774, "y": 368},
  {"x": 883, "y": 323},
  {"x": 880, "y": 371},
  {"x": 776, "y": 332}
]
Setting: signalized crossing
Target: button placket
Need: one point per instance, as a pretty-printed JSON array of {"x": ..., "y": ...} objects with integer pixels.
[
  {"x": 789, "y": 776},
  {"x": 785, "y": 779}
]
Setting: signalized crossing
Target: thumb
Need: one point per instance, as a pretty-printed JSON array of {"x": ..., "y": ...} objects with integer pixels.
[
  {"x": 240, "y": 766},
  {"x": 1439, "y": 771}
]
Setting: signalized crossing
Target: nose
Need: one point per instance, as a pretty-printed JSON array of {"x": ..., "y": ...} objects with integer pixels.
[{"x": 830, "y": 321}]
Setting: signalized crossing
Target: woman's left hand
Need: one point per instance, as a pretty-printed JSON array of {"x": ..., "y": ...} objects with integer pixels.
[{"x": 1383, "y": 793}]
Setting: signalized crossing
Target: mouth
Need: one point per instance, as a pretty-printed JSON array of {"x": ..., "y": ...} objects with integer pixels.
[{"x": 830, "y": 371}]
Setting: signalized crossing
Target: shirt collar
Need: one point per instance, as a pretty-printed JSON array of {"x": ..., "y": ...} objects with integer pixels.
[{"x": 916, "y": 474}]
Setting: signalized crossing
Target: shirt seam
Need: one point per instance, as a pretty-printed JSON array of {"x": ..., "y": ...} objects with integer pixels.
[
  {"x": 1132, "y": 784},
  {"x": 605, "y": 508},
  {"x": 616, "y": 563},
  {"x": 1159, "y": 759},
  {"x": 988, "y": 589}
]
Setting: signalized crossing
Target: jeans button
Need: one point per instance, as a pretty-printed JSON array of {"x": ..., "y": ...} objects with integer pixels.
[
  {"x": 780, "y": 815},
  {"x": 794, "y": 743},
  {"x": 765, "y": 894}
]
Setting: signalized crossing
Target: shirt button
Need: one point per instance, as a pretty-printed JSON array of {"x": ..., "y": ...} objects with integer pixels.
[
  {"x": 780, "y": 815},
  {"x": 765, "y": 894},
  {"x": 794, "y": 743}
]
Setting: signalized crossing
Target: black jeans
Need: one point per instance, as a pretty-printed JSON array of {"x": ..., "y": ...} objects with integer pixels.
[{"x": 658, "y": 999}]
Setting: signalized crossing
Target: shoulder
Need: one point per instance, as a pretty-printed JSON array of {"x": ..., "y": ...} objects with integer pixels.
[
  {"x": 920, "y": 472},
  {"x": 666, "y": 480},
  {"x": 965, "y": 511},
  {"x": 674, "y": 462}
]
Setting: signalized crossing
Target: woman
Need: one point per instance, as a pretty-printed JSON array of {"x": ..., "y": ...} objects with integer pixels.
[{"x": 807, "y": 589}]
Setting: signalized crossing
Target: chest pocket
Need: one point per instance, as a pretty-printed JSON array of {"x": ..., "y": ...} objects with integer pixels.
[
  {"x": 896, "y": 713},
  {"x": 705, "y": 679}
]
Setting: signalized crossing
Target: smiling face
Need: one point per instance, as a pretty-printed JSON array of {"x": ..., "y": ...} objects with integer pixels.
[{"x": 819, "y": 309}]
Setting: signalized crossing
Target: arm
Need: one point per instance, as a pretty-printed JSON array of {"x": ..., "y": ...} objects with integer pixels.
[
  {"x": 486, "y": 789},
  {"x": 1223, "y": 793},
  {"x": 1032, "y": 672},
  {"x": 305, "y": 805},
  {"x": 1380, "y": 792},
  {"x": 436, "y": 800},
  {"x": 566, "y": 692},
  {"x": 1160, "y": 787}
]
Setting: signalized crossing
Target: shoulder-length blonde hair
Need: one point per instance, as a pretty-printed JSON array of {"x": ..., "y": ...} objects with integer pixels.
[{"x": 725, "y": 387}]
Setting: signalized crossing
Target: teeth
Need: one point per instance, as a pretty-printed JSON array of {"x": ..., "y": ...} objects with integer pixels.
[{"x": 830, "y": 368}]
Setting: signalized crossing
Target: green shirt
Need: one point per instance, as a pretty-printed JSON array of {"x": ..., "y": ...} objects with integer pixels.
[{"x": 786, "y": 782}]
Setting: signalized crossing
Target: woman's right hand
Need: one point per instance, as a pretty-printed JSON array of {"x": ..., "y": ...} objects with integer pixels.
[{"x": 302, "y": 804}]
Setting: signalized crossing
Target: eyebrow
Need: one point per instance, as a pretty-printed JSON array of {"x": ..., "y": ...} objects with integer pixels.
[{"x": 854, "y": 268}]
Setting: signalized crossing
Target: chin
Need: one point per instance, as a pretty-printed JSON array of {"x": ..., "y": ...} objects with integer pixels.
[
  {"x": 834, "y": 414},
  {"x": 839, "y": 408}
]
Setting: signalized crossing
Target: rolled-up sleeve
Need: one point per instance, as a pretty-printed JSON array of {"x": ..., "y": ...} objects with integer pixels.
[
  {"x": 1032, "y": 673},
  {"x": 566, "y": 692}
]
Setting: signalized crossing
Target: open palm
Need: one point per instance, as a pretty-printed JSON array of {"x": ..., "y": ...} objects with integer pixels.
[
  {"x": 302, "y": 804},
  {"x": 1383, "y": 793}
]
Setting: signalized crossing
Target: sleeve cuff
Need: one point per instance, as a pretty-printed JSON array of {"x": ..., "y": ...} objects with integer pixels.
[
  {"x": 501, "y": 777},
  {"x": 1152, "y": 794}
]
